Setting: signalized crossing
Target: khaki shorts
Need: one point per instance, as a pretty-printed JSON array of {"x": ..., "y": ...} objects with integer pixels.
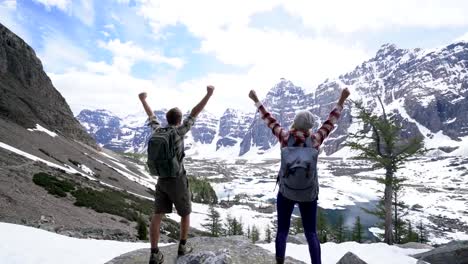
[{"x": 173, "y": 191}]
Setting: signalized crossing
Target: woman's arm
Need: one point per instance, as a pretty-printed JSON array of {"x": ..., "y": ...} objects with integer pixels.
[
  {"x": 324, "y": 131},
  {"x": 270, "y": 121}
]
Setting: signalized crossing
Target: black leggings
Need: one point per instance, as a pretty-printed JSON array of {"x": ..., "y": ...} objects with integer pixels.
[{"x": 308, "y": 211}]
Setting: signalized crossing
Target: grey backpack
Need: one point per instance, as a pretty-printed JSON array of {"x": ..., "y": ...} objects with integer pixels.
[
  {"x": 297, "y": 178},
  {"x": 162, "y": 157}
]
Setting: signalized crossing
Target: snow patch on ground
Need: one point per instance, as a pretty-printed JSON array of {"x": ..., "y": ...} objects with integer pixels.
[
  {"x": 27, "y": 245},
  {"x": 377, "y": 253},
  {"x": 86, "y": 169},
  {"x": 65, "y": 167},
  {"x": 42, "y": 129}
]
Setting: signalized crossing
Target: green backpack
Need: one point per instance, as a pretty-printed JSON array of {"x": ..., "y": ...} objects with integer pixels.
[{"x": 162, "y": 157}]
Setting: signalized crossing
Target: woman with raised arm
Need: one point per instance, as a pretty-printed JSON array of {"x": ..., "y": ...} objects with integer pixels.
[{"x": 298, "y": 179}]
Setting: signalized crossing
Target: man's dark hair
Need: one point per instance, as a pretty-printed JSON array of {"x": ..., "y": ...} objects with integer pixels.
[{"x": 174, "y": 116}]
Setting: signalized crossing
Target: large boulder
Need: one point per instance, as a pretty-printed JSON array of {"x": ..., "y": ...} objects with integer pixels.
[
  {"x": 208, "y": 250},
  {"x": 455, "y": 252},
  {"x": 415, "y": 245},
  {"x": 350, "y": 258}
]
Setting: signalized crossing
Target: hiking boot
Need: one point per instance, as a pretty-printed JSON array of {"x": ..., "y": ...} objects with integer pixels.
[
  {"x": 156, "y": 258},
  {"x": 184, "y": 249},
  {"x": 279, "y": 260}
]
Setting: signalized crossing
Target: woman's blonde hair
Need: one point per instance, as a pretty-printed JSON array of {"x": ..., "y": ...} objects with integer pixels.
[{"x": 304, "y": 120}]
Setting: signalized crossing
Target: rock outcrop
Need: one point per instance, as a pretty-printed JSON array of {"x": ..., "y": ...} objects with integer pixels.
[
  {"x": 231, "y": 250},
  {"x": 350, "y": 258},
  {"x": 455, "y": 252},
  {"x": 27, "y": 94}
]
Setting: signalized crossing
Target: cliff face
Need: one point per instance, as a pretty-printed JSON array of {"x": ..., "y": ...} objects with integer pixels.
[{"x": 27, "y": 94}]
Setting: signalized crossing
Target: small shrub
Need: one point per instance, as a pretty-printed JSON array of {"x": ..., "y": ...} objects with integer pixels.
[
  {"x": 142, "y": 229},
  {"x": 202, "y": 192},
  {"x": 113, "y": 202},
  {"x": 53, "y": 185}
]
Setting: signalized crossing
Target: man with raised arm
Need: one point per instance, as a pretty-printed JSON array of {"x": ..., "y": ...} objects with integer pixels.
[{"x": 165, "y": 159}]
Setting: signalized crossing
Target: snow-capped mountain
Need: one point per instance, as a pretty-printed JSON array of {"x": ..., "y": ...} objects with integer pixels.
[
  {"x": 283, "y": 100},
  {"x": 128, "y": 134},
  {"x": 426, "y": 89},
  {"x": 233, "y": 126},
  {"x": 131, "y": 133}
]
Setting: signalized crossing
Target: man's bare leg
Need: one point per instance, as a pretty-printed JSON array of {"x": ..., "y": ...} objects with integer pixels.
[
  {"x": 184, "y": 247},
  {"x": 155, "y": 227},
  {"x": 184, "y": 227}
]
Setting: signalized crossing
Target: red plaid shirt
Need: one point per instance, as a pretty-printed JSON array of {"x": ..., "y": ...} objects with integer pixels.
[{"x": 283, "y": 134}]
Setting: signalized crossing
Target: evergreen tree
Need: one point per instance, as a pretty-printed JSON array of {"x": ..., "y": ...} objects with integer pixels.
[
  {"x": 248, "y": 232},
  {"x": 386, "y": 149},
  {"x": 201, "y": 190},
  {"x": 234, "y": 226},
  {"x": 357, "y": 230},
  {"x": 399, "y": 210},
  {"x": 142, "y": 229},
  {"x": 422, "y": 233},
  {"x": 297, "y": 227},
  {"x": 229, "y": 231},
  {"x": 411, "y": 236},
  {"x": 255, "y": 234},
  {"x": 238, "y": 227},
  {"x": 340, "y": 229},
  {"x": 322, "y": 226},
  {"x": 213, "y": 222},
  {"x": 268, "y": 234}
]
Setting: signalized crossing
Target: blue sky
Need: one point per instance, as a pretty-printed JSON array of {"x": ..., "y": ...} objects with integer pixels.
[{"x": 100, "y": 54}]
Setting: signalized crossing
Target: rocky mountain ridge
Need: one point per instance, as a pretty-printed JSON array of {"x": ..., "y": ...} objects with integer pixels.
[
  {"x": 28, "y": 97},
  {"x": 425, "y": 89}
]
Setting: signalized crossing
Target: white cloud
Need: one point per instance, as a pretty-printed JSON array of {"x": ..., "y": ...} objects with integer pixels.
[
  {"x": 224, "y": 30},
  {"x": 118, "y": 92},
  {"x": 126, "y": 54},
  {"x": 464, "y": 38},
  {"x": 351, "y": 16},
  {"x": 84, "y": 11},
  {"x": 206, "y": 16},
  {"x": 63, "y": 5},
  {"x": 81, "y": 9},
  {"x": 105, "y": 33},
  {"x": 109, "y": 26},
  {"x": 60, "y": 54},
  {"x": 9, "y": 4}
]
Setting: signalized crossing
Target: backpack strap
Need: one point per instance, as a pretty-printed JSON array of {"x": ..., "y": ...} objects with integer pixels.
[
  {"x": 308, "y": 142},
  {"x": 291, "y": 140}
]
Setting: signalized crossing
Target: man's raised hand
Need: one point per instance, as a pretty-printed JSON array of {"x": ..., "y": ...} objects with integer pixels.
[
  {"x": 142, "y": 96},
  {"x": 210, "y": 90}
]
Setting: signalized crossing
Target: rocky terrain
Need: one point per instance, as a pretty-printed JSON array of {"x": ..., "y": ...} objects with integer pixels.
[
  {"x": 209, "y": 250},
  {"x": 38, "y": 134}
]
